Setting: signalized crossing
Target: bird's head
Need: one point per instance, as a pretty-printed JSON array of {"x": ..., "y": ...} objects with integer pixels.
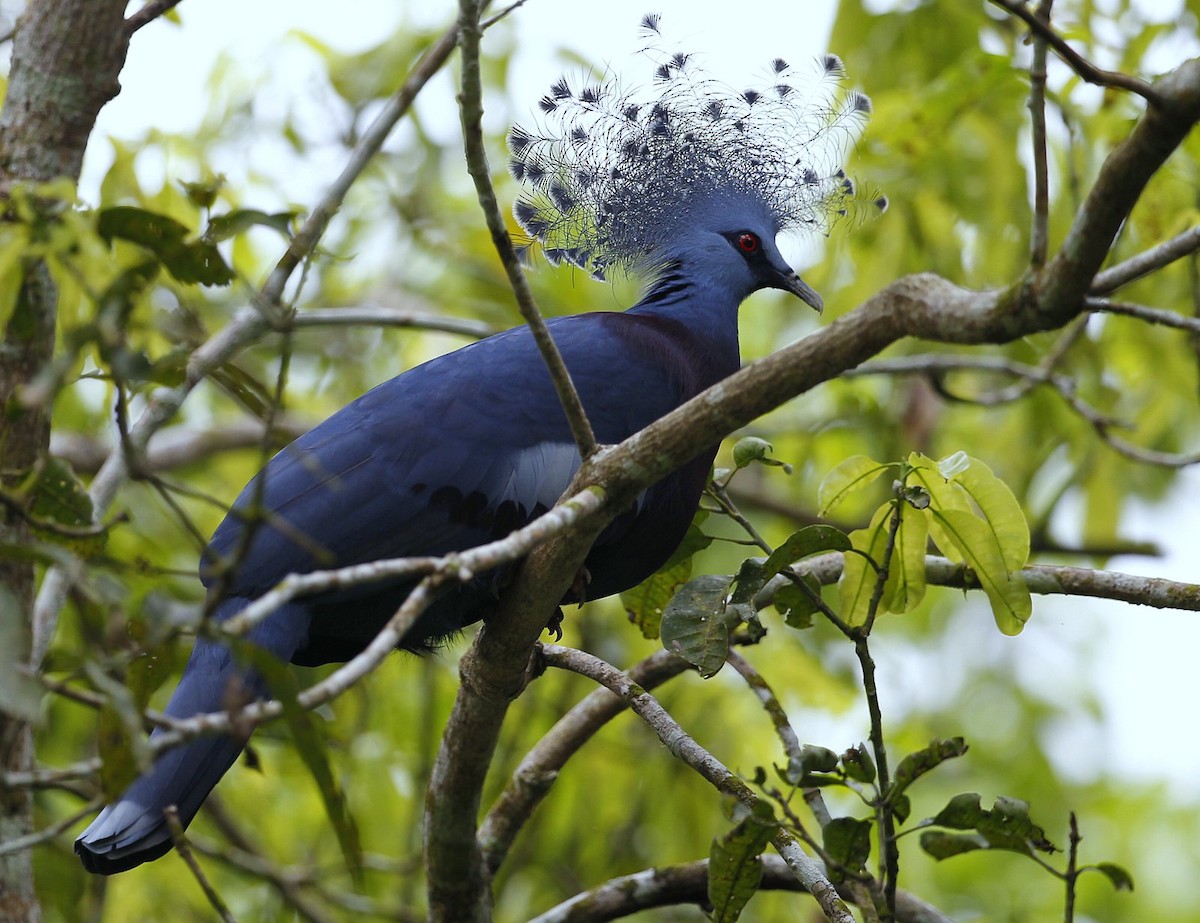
[
  {"x": 690, "y": 171},
  {"x": 731, "y": 246}
]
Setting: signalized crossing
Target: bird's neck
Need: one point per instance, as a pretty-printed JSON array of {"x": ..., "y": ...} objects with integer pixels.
[{"x": 708, "y": 309}]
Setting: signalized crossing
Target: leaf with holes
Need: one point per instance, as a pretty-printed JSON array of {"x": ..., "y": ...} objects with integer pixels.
[{"x": 695, "y": 625}]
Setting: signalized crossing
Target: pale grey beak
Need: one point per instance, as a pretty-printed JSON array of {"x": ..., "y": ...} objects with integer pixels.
[{"x": 790, "y": 282}]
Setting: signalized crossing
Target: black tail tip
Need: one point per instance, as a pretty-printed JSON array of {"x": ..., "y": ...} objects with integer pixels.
[{"x": 111, "y": 860}]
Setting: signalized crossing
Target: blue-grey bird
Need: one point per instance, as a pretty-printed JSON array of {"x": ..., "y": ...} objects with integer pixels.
[{"x": 688, "y": 184}]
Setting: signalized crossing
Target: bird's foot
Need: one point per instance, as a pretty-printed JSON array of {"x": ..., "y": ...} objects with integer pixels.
[{"x": 554, "y": 626}]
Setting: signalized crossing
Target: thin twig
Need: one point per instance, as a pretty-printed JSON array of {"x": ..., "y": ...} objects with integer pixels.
[
  {"x": 766, "y": 695},
  {"x": 17, "y": 844},
  {"x": 147, "y": 14},
  {"x": 1072, "y": 875},
  {"x": 1062, "y": 385},
  {"x": 1148, "y": 261},
  {"x": 180, "y": 842},
  {"x": 533, "y": 778},
  {"x": 1084, "y": 68},
  {"x": 1142, "y": 312},
  {"x": 889, "y": 854},
  {"x": 1042, "y": 580},
  {"x": 471, "y": 109},
  {"x": 368, "y": 316},
  {"x": 685, "y": 748},
  {"x": 1039, "y": 238}
]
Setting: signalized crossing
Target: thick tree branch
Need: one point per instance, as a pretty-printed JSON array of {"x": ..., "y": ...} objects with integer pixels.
[
  {"x": 1122, "y": 178},
  {"x": 66, "y": 58},
  {"x": 668, "y": 886}
]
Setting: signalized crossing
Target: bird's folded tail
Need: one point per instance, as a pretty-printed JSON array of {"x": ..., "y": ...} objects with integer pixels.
[{"x": 133, "y": 829}]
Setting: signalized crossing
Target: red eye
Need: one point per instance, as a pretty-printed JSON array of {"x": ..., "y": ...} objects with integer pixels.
[{"x": 747, "y": 242}]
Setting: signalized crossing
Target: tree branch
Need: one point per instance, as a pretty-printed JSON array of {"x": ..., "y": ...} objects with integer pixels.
[
  {"x": 148, "y": 13},
  {"x": 471, "y": 110},
  {"x": 537, "y": 772},
  {"x": 684, "y": 747},
  {"x": 1084, "y": 68},
  {"x": 671, "y": 885},
  {"x": 1143, "y": 264},
  {"x": 1042, "y": 580}
]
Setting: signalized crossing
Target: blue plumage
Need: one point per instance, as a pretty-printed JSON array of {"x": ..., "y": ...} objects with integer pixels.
[{"x": 469, "y": 446}]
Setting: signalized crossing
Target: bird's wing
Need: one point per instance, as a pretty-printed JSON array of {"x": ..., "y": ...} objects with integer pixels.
[{"x": 448, "y": 455}]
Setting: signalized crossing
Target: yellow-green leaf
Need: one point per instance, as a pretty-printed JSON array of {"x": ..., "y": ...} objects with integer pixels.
[
  {"x": 906, "y": 575},
  {"x": 853, "y": 474},
  {"x": 858, "y": 580},
  {"x": 975, "y": 543},
  {"x": 943, "y": 495},
  {"x": 1001, "y": 510}
]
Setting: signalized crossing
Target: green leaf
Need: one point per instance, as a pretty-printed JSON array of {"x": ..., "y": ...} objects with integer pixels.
[
  {"x": 858, "y": 765},
  {"x": 188, "y": 261},
  {"x": 204, "y": 193},
  {"x": 751, "y": 449},
  {"x": 796, "y": 606},
  {"x": 854, "y": 474},
  {"x": 999, "y": 509},
  {"x": 847, "y": 842},
  {"x": 1120, "y": 879},
  {"x": 734, "y": 864},
  {"x": 905, "y": 586},
  {"x": 222, "y": 227},
  {"x": 695, "y": 626},
  {"x": 804, "y": 543},
  {"x": 59, "y": 496},
  {"x": 644, "y": 604},
  {"x": 1007, "y": 593},
  {"x": 1006, "y": 826},
  {"x": 915, "y": 765},
  {"x": 942, "y": 845},
  {"x": 119, "y": 740},
  {"x": 809, "y": 760},
  {"x": 858, "y": 581}
]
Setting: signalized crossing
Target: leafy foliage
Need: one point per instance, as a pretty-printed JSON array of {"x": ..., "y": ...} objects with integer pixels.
[{"x": 161, "y": 262}]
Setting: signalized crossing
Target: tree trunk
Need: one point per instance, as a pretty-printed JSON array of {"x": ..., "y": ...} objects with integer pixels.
[{"x": 66, "y": 58}]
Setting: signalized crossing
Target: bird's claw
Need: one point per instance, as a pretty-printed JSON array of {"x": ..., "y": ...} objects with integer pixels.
[{"x": 554, "y": 626}]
